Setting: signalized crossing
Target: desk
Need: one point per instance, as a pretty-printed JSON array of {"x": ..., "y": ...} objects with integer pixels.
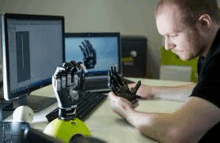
[{"x": 107, "y": 125}]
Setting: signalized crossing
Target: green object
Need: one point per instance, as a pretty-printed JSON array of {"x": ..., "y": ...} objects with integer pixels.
[
  {"x": 127, "y": 60},
  {"x": 169, "y": 58},
  {"x": 65, "y": 130}
]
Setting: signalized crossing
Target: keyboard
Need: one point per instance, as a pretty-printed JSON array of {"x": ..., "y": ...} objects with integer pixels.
[{"x": 87, "y": 103}]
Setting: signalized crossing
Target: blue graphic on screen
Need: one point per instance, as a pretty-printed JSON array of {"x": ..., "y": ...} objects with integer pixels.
[{"x": 97, "y": 53}]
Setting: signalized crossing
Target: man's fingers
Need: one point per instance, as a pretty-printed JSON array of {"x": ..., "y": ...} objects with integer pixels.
[{"x": 113, "y": 96}]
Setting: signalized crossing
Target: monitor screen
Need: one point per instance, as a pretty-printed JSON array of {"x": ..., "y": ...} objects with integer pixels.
[
  {"x": 32, "y": 47},
  {"x": 98, "y": 52}
]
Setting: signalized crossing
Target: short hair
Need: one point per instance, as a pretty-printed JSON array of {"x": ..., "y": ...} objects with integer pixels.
[{"x": 191, "y": 10}]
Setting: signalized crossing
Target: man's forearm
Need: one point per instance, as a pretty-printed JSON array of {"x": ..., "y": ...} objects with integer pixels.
[
  {"x": 181, "y": 92},
  {"x": 154, "y": 125}
]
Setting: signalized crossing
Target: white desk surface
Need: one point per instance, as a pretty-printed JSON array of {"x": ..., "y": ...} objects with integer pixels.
[{"x": 107, "y": 125}]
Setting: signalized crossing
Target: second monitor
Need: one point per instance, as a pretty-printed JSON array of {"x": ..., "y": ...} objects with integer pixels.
[{"x": 98, "y": 52}]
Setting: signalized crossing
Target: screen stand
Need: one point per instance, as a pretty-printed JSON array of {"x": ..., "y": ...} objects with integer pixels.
[
  {"x": 36, "y": 103},
  {"x": 3, "y": 113}
]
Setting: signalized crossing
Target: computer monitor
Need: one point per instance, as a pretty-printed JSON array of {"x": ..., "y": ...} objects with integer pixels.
[
  {"x": 32, "y": 48},
  {"x": 98, "y": 52}
]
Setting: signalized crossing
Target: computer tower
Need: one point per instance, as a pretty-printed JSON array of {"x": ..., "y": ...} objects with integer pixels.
[{"x": 134, "y": 56}]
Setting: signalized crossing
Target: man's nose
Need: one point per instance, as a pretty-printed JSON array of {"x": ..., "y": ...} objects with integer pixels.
[{"x": 168, "y": 44}]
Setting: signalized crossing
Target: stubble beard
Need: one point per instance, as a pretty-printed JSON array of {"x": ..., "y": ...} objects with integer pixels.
[{"x": 197, "y": 44}]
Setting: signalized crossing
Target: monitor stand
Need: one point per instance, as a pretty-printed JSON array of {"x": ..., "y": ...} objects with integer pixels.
[
  {"x": 37, "y": 103},
  {"x": 3, "y": 113}
]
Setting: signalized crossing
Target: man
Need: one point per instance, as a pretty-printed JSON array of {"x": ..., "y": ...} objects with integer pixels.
[{"x": 191, "y": 29}]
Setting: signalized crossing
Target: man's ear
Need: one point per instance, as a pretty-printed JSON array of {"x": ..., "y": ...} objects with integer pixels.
[{"x": 205, "y": 21}]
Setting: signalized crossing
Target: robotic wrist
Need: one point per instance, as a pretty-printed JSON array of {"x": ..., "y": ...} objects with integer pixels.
[{"x": 67, "y": 114}]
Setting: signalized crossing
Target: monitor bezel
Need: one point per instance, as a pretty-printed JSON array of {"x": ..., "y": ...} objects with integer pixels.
[
  {"x": 95, "y": 35},
  {"x": 5, "y": 51}
]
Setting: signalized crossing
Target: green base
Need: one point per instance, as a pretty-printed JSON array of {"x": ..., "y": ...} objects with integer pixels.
[{"x": 65, "y": 130}]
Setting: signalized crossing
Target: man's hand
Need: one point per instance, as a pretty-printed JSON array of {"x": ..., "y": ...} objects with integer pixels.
[
  {"x": 144, "y": 91},
  {"x": 89, "y": 54},
  {"x": 120, "y": 105}
]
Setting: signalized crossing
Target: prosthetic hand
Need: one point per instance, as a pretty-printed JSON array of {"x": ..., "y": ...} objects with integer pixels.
[
  {"x": 89, "y": 54},
  {"x": 67, "y": 87},
  {"x": 121, "y": 88}
]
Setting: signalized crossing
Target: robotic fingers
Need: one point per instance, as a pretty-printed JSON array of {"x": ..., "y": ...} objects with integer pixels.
[
  {"x": 67, "y": 86},
  {"x": 121, "y": 88}
]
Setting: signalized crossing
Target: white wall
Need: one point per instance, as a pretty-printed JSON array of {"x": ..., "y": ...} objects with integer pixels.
[{"x": 129, "y": 17}]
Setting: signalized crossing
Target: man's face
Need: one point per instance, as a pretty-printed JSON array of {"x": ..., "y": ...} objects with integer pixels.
[{"x": 181, "y": 39}]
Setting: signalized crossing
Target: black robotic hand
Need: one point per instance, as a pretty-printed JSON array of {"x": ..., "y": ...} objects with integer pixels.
[
  {"x": 89, "y": 54},
  {"x": 68, "y": 86},
  {"x": 121, "y": 88}
]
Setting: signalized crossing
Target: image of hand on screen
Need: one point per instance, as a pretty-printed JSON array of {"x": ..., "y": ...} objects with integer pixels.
[{"x": 89, "y": 54}]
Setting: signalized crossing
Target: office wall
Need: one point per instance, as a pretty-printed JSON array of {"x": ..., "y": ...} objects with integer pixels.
[{"x": 129, "y": 17}]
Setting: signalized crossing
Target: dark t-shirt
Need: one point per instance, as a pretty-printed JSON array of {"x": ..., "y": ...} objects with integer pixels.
[{"x": 208, "y": 86}]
